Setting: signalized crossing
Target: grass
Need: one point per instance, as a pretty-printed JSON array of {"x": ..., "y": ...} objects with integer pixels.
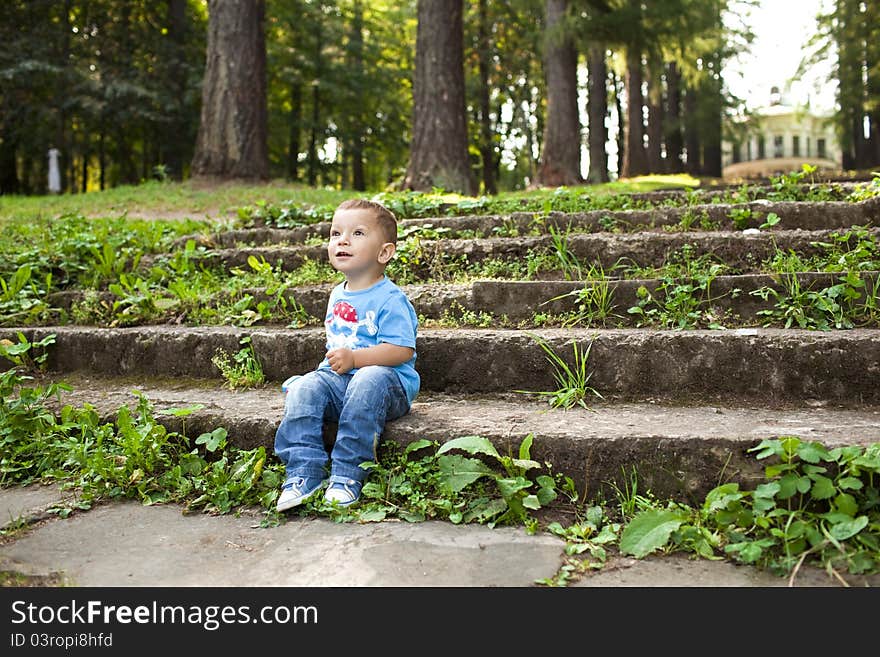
[
  {"x": 572, "y": 380},
  {"x": 160, "y": 199}
]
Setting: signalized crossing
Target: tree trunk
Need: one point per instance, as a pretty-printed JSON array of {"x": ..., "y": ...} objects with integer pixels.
[
  {"x": 712, "y": 139},
  {"x": 871, "y": 38},
  {"x": 619, "y": 87},
  {"x": 655, "y": 119},
  {"x": 312, "y": 152},
  {"x": 439, "y": 150},
  {"x": 561, "y": 154},
  {"x": 295, "y": 126},
  {"x": 691, "y": 133},
  {"x": 487, "y": 146},
  {"x": 9, "y": 182},
  {"x": 61, "y": 138},
  {"x": 635, "y": 162},
  {"x": 233, "y": 133},
  {"x": 172, "y": 144},
  {"x": 356, "y": 50},
  {"x": 673, "y": 119},
  {"x": 597, "y": 110},
  {"x": 123, "y": 151}
]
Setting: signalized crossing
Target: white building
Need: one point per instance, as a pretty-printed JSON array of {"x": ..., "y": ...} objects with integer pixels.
[{"x": 778, "y": 139}]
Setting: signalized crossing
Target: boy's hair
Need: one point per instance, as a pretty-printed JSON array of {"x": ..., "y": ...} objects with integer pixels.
[{"x": 385, "y": 217}]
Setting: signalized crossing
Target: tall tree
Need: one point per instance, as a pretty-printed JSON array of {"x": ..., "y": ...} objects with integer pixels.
[
  {"x": 438, "y": 154},
  {"x": 357, "y": 127},
  {"x": 561, "y": 147},
  {"x": 635, "y": 160},
  {"x": 672, "y": 112},
  {"x": 484, "y": 59},
  {"x": 597, "y": 109},
  {"x": 176, "y": 65},
  {"x": 656, "y": 118},
  {"x": 232, "y": 137}
]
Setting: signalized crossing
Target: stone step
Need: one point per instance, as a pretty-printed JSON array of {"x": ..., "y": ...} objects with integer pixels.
[
  {"x": 506, "y": 302},
  {"x": 742, "y": 251},
  {"x": 748, "y": 364},
  {"x": 679, "y": 451},
  {"x": 804, "y": 215}
]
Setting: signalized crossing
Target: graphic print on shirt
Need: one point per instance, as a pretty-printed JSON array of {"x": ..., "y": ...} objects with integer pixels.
[{"x": 342, "y": 326}]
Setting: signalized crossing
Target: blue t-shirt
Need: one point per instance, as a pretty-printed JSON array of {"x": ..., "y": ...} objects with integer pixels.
[{"x": 364, "y": 318}]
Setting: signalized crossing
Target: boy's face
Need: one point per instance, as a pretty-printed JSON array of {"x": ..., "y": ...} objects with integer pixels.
[{"x": 358, "y": 247}]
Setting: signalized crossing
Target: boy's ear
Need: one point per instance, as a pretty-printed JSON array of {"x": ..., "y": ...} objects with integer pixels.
[{"x": 387, "y": 252}]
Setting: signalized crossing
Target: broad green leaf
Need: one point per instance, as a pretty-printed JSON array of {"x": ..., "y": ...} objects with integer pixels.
[
  {"x": 849, "y": 483},
  {"x": 649, "y": 531},
  {"x": 803, "y": 484},
  {"x": 823, "y": 488},
  {"x": 768, "y": 490},
  {"x": 869, "y": 460},
  {"x": 510, "y": 486},
  {"x": 526, "y": 464},
  {"x": 766, "y": 449},
  {"x": 608, "y": 534},
  {"x": 546, "y": 494},
  {"x": 788, "y": 486},
  {"x": 457, "y": 472},
  {"x": 486, "y": 511},
  {"x": 846, "y": 503},
  {"x": 212, "y": 440},
  {"x": 531, "y": 502},
  {"x": 595, "y": 514},
  {"x": 180, "y": 412},
  {"x": 372, "y": 515},
  {"x": 412, "y": 516},
  {"x": 847, "y": 529},
  {"x": 417, "y": 444},
  {"x": 721, "y": 496},
  {"x": 812, "y": 452},
  {"x": 471, "y": 445},
  {"x": 525, "y": 447},
  {"x": 15, "y": 349}
]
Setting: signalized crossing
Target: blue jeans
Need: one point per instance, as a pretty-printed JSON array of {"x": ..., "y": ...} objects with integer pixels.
[{"x": 361, "y": 403}]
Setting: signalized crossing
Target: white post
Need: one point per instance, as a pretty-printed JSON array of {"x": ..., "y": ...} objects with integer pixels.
[{"x": 54, "y": 172}]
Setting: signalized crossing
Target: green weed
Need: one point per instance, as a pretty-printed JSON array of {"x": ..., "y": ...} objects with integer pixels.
[
  {"x": 243, "y": 369},
  {"x": 818, "y": 505},
  {"x": 26, "y": 355},
  {"x": 594, "y": 303},
  {"x": 519, "y": 494},
  {"x": 831, "y": 307},
  {"x": 572, "y": 381},
  {"x": 566, "y": 260},
  {"x": 586, "y": 545}
]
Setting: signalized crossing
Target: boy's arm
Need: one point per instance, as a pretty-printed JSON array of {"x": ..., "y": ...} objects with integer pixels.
[{"x": 344, "y": 359}]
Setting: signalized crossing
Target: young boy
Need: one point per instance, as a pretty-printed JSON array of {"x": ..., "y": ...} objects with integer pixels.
[{"x": 368, "y": 375}]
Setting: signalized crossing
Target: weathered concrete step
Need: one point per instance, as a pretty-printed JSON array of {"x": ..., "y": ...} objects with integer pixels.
[
  {"x": 793, "y": 215},
  {"x": 518, "y": 301},
  {"x": 678, "y": 451},
  {"x": 757, "y": 364},
  {"x": 731, "y": 296},
  {"x": 740, "y": 250}
]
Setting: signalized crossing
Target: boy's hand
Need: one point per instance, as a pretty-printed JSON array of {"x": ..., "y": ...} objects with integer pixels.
[{"x": 341, "y": 360}]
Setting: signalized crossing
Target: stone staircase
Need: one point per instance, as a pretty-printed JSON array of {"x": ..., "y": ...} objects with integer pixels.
[{"x": 681, "y": 408}]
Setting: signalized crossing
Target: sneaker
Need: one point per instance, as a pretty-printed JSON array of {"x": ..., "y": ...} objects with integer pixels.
[
  {"x": 297, "y": 490},
  {"x": 342, "y": 491}
]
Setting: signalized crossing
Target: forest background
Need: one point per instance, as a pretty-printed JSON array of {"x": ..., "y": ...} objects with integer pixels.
[{"x": 472, "y": 97}]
